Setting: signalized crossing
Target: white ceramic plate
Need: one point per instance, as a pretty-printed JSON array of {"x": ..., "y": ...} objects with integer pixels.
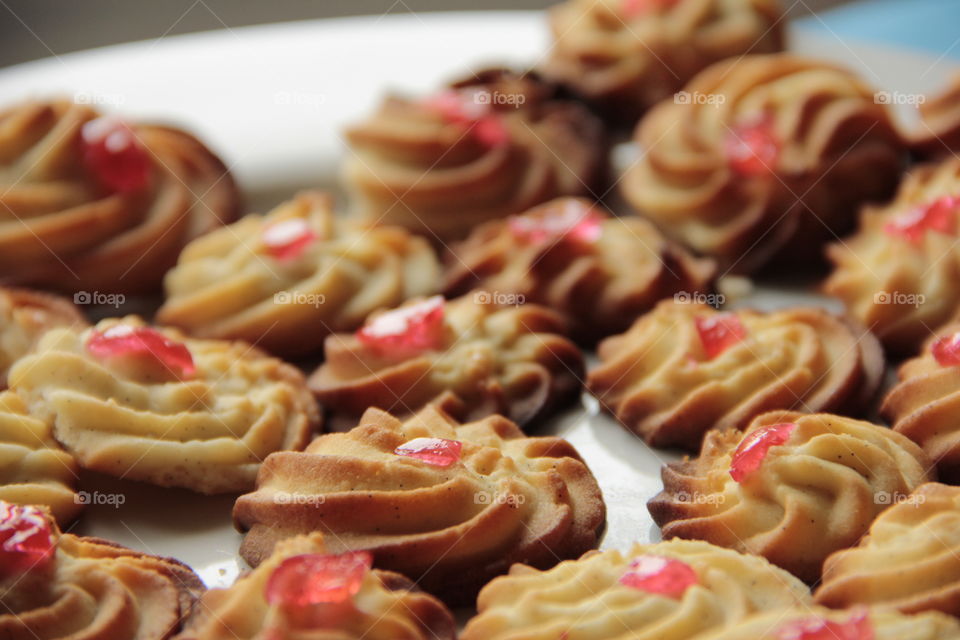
[{"x": 272, "y": 101}]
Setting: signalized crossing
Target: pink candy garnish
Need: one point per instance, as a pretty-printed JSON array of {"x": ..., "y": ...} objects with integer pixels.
[
  {"x": 438, "y": 452},
  {"x": 466, "y": 107},
  {"x": 112, "y": 153},
  {"x": 719, "y": 332},
  {"x": 287, "y": 239},
  {"x": 142, "y": 342},
  {"x": 753, "y": 449},
  {"x": 315, "y": 578},
  {"x": 752, "y": 149},
  {"x": 858, "y": 627},
  {"x": 570, "y": 219},
  {"x": 661, "y": 575},
  {"x": 946, "y": 350},
  {"x": 408, "y": 330},
  {"x": 635, "y": 8},
  {"x": 939, "y": 215},
  {"x": 26, "y": 540}
]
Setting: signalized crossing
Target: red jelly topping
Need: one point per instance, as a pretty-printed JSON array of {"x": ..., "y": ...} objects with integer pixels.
[
  {"x": 752, "y": 149},
  {"x": 142, "y": 342},
  {"x": 858, "y": 627},
  {"x": 570, "y": 219},
  {"x": 946, "y": 350},
  {"x": 26, "y": 540},
  {"x": 753, "y": 449},
  {"x": 719, "y": 332},
  {"x": 634, "y": 8},
  {"x": 468, "y": 108},
  {"x": 410, "y": 329},
  {"x": 438, "y": 452},
  {"x": 315, "y": 578},
  {"x": 939, "y": 215},
  {"x": 287, "y": 239},
  {"x": 112, "y": 153},
  {"x": 657, "y": 574}
]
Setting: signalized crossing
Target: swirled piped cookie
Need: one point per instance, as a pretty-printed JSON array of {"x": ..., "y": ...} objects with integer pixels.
[
  {"x": 818, "y": 623},
  {"x": 772, "y": 159},
  {"x": 512, "y": 360},
  {"x": 491, "y": 145},
  {"x": 24, "y": 316},
  {"x": 923, "y": 404},
  {"x": 302, "y": 592},
  {"x": 149, "y": 404},
  {"x": 449, "y": 505},
  {"x": 907, "y": 561},
  {"x": 626, "y": 55},
  {"x": 667, "y": 591},
  {"x": 938, "y": 135},
  {"x": 791, "y": 487},
  {"x": 286, "y": 280},
  {"x": 683, "y": 369},
  {"x": 599, "y": 271},
  {"x": 93, "y": 204},
  {"x": 57, "y": 586},
  {"x": 34, "y": 468},
  {"x": 898, "y": 273}
]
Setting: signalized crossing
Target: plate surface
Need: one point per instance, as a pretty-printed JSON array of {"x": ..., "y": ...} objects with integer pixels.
[{"x": 272, "y": 101}]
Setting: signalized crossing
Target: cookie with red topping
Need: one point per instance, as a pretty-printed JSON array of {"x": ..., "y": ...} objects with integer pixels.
[
  {"x": 488, "y": 146},
  {"x": 493, "y": 358},
  {"x": 448, "y": 504},
  {"x": 92, "y": 203},
  {"x": 599, "y": 271},
  {"x": 772, "y": 163},
  {"x": 56, "y": 586},
  {"x": 791, "y": 487},
  {"x": 150, "y": 404}
]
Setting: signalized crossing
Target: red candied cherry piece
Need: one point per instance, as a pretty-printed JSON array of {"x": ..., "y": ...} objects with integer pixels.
[
  {"x": 946, "y": 350},
  {"x": 410, "y": 329},
  {"x": 114, "y": 156},
  {"x": 26, "y": 540},
  {"x": 571, "y": 219},
  {"x": 124, "y": 340},
  {"x": 753, "y": 449},
  {"x": 316, "y": 578},
  {"x": 939, "y": 215},
  {"x": 719, "y": 332},
  {"x": 752, "y": 148},
  {"x": 464, "y": 107},
  {"x": 634, "y": 8},
  {"x": 858, "y": 627},
  {"x": 287, "y": 239},
  {"x": 438, "y": 452},
  {"x": 658, "y": 574}
]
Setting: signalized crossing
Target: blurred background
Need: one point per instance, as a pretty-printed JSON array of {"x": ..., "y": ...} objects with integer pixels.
[{"x": 31, "y": 29}]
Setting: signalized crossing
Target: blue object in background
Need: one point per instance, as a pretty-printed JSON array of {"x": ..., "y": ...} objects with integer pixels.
[{"x": 925, "y": 25}]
